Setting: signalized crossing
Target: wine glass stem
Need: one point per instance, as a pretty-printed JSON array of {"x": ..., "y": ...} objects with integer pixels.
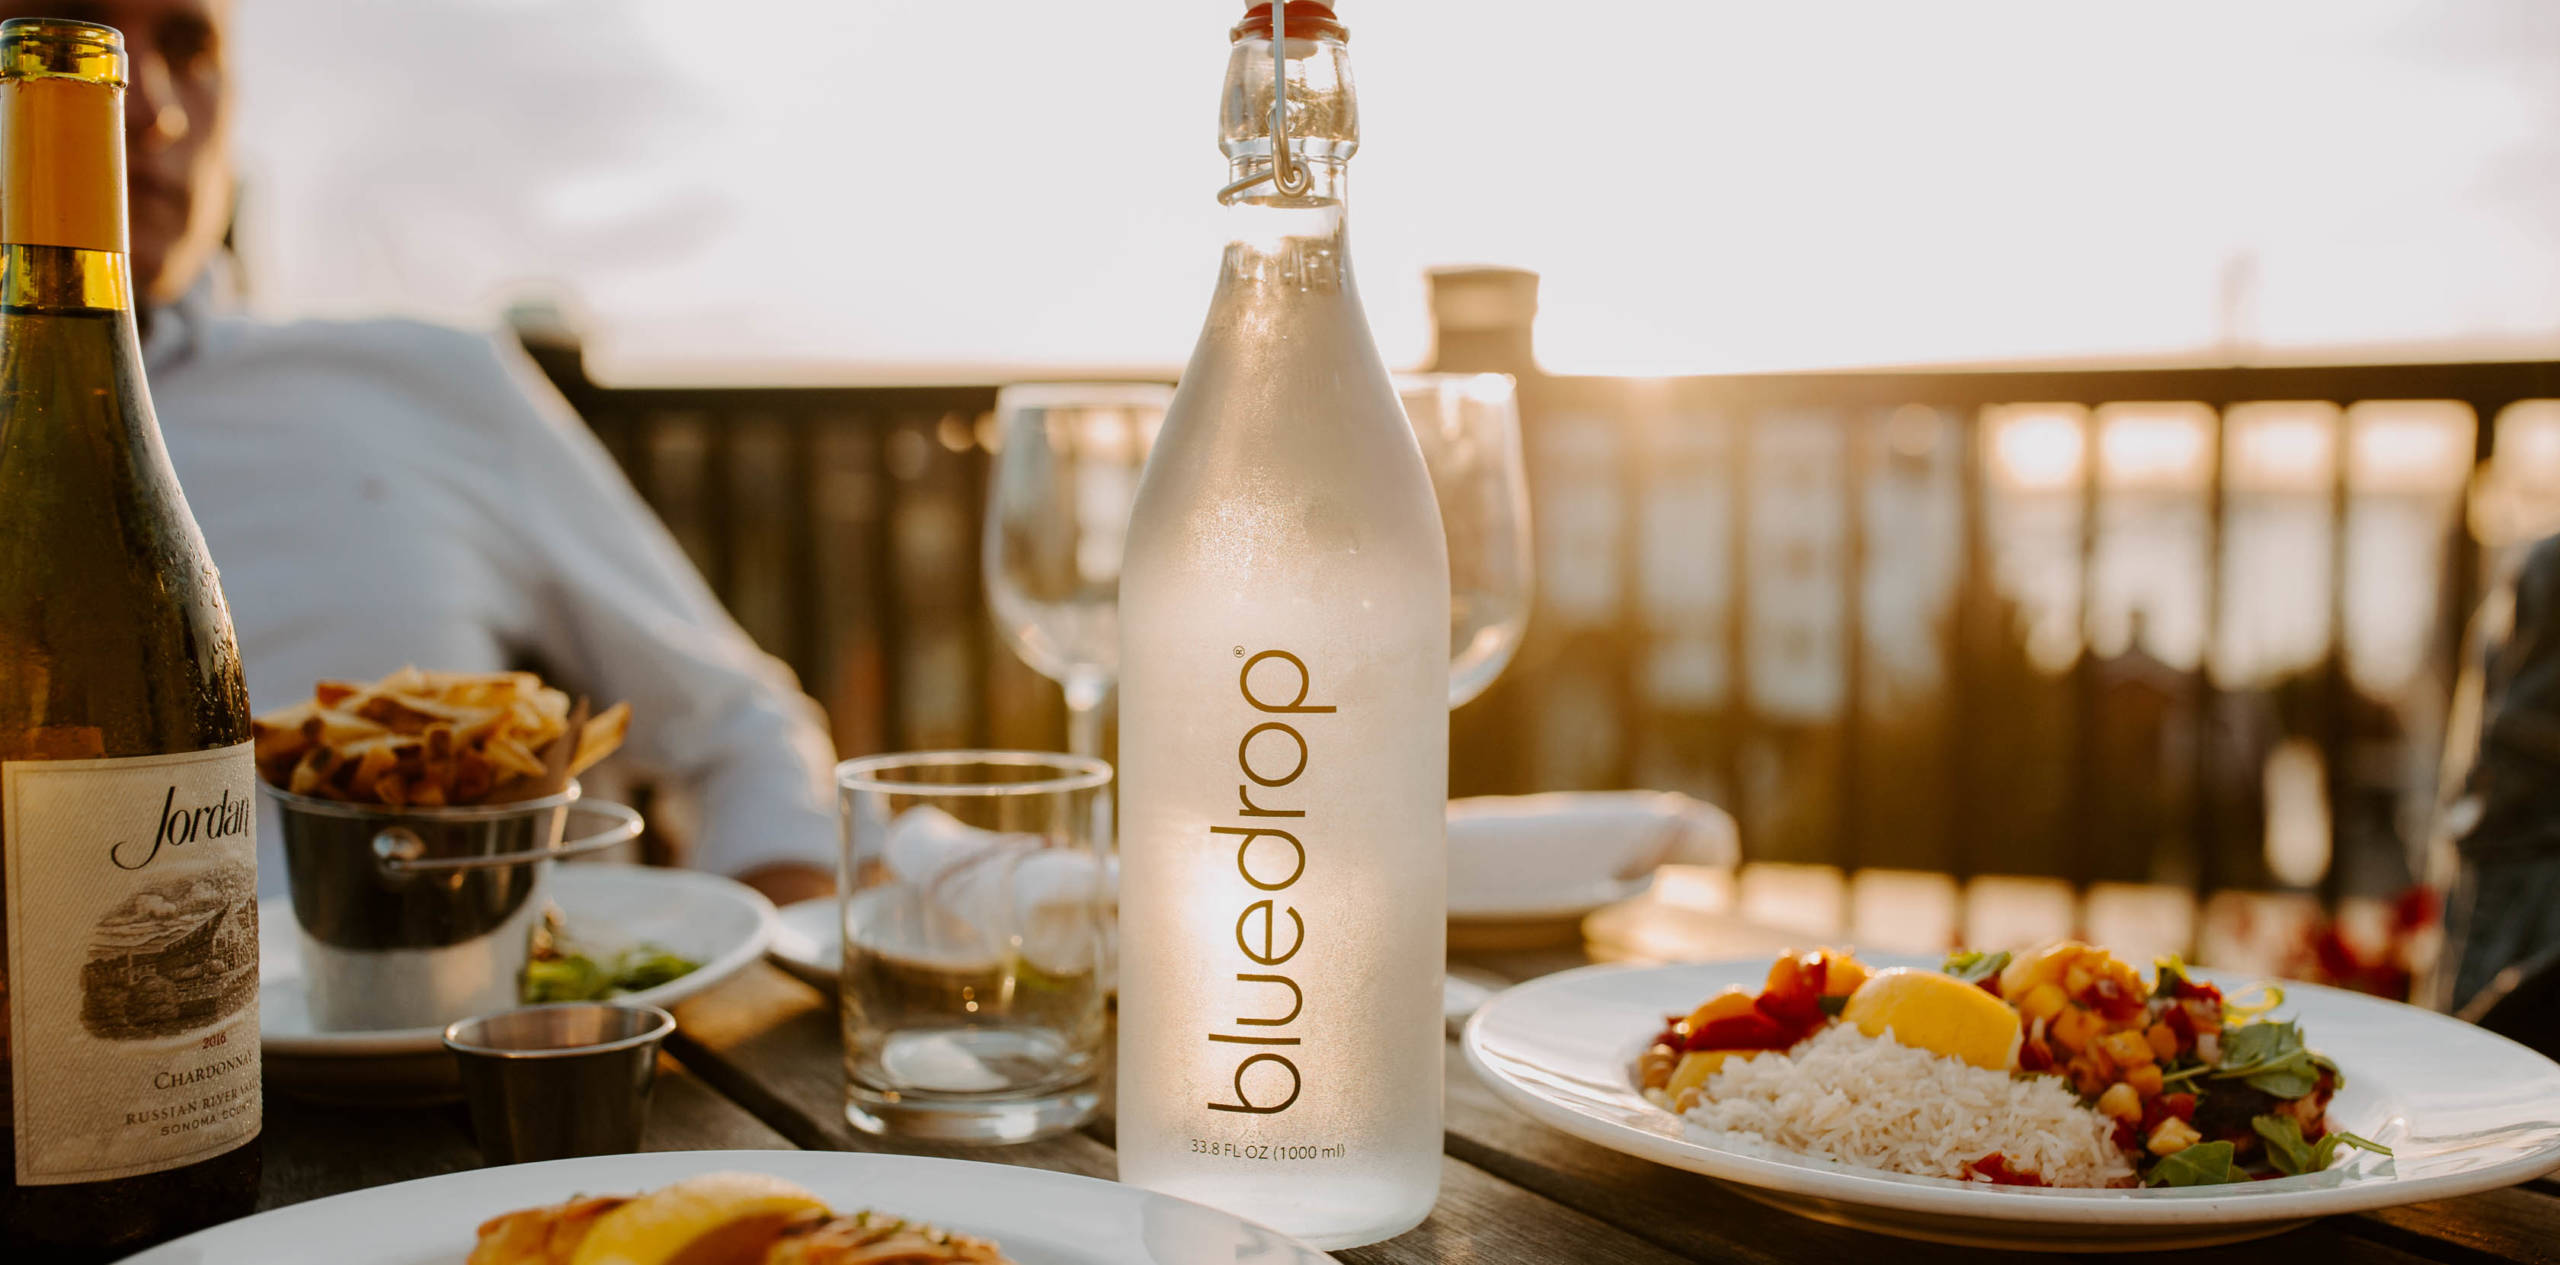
[{"x": 1086, "y": 692}]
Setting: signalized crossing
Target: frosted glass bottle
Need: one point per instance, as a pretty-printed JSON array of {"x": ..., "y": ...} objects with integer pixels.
[{"x": 1284, "y": 612}]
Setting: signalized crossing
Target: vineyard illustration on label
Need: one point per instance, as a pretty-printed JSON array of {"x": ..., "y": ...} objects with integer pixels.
[{"x": 173, "y": 958}]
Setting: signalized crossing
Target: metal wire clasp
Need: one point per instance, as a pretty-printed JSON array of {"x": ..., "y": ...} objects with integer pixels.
[{"x": 1284, "y": 174}]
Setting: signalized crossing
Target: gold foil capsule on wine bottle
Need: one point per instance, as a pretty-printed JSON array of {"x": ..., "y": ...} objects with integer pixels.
[{"x": 61, "y": 78}]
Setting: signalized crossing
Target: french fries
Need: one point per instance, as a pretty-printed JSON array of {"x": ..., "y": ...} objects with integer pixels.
[{"x": 432, "y": 739}]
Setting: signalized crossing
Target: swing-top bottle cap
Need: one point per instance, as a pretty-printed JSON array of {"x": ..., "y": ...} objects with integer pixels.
[{"x": 1307, "y": 19}]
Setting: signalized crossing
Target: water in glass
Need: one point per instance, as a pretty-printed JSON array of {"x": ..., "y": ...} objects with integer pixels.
[{"x": 976, "y": 943}]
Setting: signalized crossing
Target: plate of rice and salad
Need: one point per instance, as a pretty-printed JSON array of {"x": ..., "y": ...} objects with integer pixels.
[{"x": 2059, "y": 1099}]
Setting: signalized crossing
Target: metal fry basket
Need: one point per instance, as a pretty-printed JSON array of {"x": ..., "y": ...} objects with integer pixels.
[{"x": 416, "y": 917}]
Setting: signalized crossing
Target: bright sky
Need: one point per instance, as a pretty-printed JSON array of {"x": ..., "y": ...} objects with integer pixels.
[{"x": 912, "y": 189}]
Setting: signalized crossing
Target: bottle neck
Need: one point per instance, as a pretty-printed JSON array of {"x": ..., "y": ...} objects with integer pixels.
[
  {"x": 1279, "y": 243},
  {"x": 70, "y": 356},
  {"x": 1321, "y": 124},
  {"x": 63, "y": 281},
  {"x": 1328, "y": 180},
  {"x": 62, "y": 162},
  {"x": 1281, "y": 246},
  {"x": 63, "y": 231}
]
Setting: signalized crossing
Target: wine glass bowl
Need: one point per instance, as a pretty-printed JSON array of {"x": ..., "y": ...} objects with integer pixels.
[
  {"x": 1469, "y": 428},
  {"x": 1066, "y": 472}
]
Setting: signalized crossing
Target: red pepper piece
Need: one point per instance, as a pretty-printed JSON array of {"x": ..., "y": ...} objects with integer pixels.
[
  {"x": 2127, "y": 1140},
  {"x": 2109, "y": 998},
  {"x": 2187, "y": 988},
  {"x": 1793, "y": 995},
  {"x": 1799, "y": 1012},
  {"x": 1740, "y": 1032},
  {"x": 2179, "y": 1023},
  {"x": 1995, "y": 1169}
]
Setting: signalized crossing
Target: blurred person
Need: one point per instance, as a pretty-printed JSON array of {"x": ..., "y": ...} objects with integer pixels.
[
  {"x": 387, "y": 492},
  {"x": 2498, "y": 830}
]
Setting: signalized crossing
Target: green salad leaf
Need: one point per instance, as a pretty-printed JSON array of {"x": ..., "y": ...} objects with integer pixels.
[
  {"x": 2201, "y": 1164},
  {"x": 1832, "y": 1006},
  {"x": 2325, "y": 1151},
  {"x": 2258, "y": 1043},
  {"x": 2270, "y": 1056},
  {"x": 2292, "y": 1156},
  {"x": 2286, "y": 1150},
  {"x": 2284, "y": 1082},
  {"x": 577, "y": 977},
  {"x": 571, "y": 977},
  {"x": 1973, "y": 967},
  {"x": 648, "y": 967}
]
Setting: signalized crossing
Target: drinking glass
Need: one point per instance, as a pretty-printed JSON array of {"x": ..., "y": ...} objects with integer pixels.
[
  {"x": 1066, "y": 472},
  {"x": 1469, "y": 428},
  {"x": 977, "y": 916}
]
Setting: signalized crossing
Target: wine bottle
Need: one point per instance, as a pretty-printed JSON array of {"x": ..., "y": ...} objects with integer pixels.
[
  {"x": 129, "y": 888},
  {"x": 1284, "y": 615}
]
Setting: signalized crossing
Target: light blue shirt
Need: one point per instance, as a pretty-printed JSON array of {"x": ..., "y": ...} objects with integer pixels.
[{"x": 387, "y": 492}]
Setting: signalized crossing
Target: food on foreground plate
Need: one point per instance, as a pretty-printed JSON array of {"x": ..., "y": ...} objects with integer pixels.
[
  {"x": 559, "y": 968},
  {"x": 718, "y": 1219},
  {"x": 2058, "y": 1068},
  {"x": 1938, "y": 1013},
  {"x": 1865, "y": 1100},
  {"x": 433, "y": 739}
]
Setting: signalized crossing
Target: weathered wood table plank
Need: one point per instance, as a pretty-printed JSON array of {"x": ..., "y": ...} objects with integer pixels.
[
  {"x": 2522, "y": 1224},
  {"x": 1482, "y": 1218}
]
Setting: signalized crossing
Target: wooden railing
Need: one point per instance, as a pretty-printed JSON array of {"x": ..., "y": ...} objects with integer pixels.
[{"x": 1838, "y": 603}]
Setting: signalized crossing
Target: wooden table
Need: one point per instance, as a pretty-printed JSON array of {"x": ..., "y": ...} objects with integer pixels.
[{"x": 756, "y": 1065}]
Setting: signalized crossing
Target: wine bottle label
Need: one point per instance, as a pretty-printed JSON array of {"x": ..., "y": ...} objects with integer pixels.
[{"x": 133, "y": 961}]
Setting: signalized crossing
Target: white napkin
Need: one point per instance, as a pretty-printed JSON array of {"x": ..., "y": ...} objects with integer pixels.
[
  {"x": 960, "y": 897},
  {"x": 1510, "y": 855}
]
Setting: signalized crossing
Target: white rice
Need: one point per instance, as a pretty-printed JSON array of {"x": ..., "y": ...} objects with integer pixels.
[{"x": 1872, "y": 1101}]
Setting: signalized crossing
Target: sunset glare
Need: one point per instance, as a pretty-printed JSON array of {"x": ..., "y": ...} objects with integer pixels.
[{"x": 930, "y": 190}]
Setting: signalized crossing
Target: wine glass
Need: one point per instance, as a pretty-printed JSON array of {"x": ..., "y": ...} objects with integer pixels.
[
  {"x": 1469, "y": 428},
  {"x": 1066, "y": 473}
]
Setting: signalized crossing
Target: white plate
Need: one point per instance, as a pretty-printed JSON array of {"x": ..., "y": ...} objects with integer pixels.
[
  {"x": 2464, "y": 1111},
  {"x": 1553, "y": 904},
  {"x": 722, "y": 924},
  {"x": 1039, "y": 1217},
  {"x": 808, "y": 940},
  {"x": 1557, "y": 856}
]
